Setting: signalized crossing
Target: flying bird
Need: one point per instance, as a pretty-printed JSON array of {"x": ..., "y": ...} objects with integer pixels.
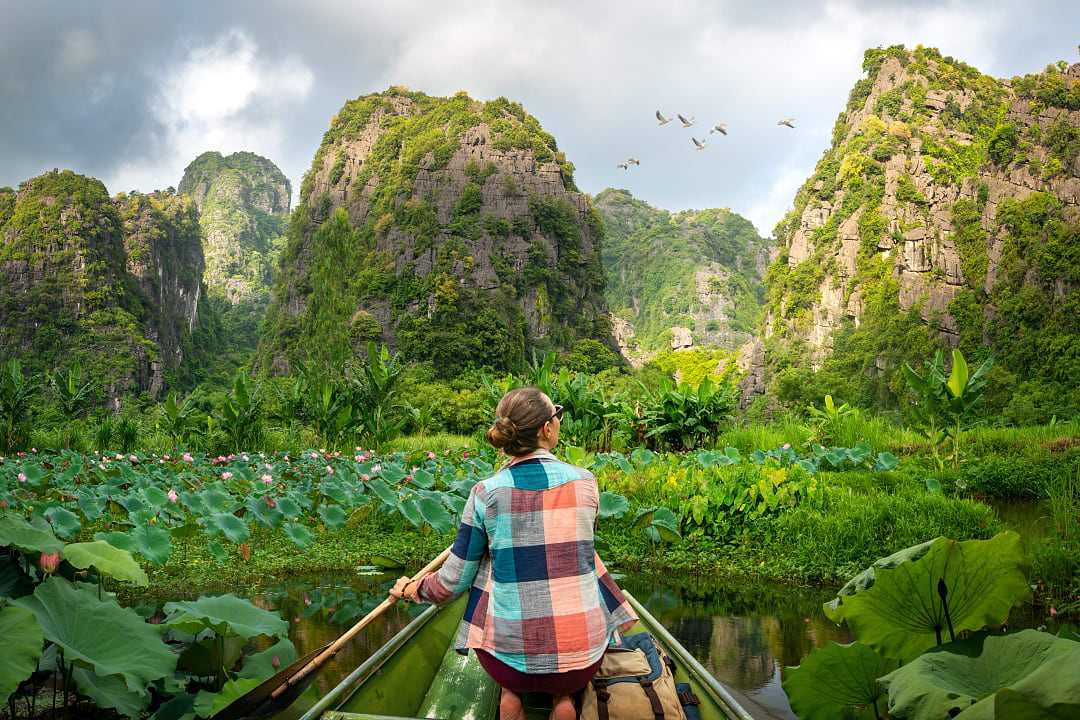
[
  {"x": 790, "y": 122},
  {"x": 721, "y": 128},
  {"x": 686, "y": 122},
  {"x": 699, "y": 145},
  {"x": 633, "y": 161},
  {"x": 624, "y": 166},
  {"x": 662, "y": 120}
]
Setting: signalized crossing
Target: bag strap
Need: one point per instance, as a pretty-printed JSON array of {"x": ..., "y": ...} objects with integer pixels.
[
  {"x": 602, "y": 697},
  {"x": 654, "y": 699}
]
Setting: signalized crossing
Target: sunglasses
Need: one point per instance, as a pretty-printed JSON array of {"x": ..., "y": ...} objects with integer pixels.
[{"x": 557, "y": 414}]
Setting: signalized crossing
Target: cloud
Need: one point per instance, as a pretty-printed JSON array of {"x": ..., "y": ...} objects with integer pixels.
[{"x": 224, "y": 97}]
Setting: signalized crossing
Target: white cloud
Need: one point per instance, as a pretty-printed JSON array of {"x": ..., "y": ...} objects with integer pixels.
[{"x": 224, "y": 97}]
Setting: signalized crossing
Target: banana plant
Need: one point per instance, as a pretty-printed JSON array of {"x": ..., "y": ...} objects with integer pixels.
[
  {"x": 16, "y": 393},
  {"x": 178, "y": 419},
  {"x": 943, "y": 403},
  {"x": 828, "y": 418},
  {"x": 72, "y": 394},
  {"x": 241, "y": 413}
]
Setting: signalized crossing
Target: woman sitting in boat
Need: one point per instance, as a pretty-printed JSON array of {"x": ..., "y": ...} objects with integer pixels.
[{"x": 542, "y": 608}]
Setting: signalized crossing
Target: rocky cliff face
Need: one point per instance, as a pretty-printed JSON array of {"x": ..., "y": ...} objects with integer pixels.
[
  {"x": 944, "y": 214},
  {"x": 679, "y": 280},
  {"x": 111, "y": 283},
  {"x": 243, "y": 204},
  {"x": 447, "y": 227}
]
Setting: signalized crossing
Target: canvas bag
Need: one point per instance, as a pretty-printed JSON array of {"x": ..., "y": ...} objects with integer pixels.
[{"x": 634, "y": 683}]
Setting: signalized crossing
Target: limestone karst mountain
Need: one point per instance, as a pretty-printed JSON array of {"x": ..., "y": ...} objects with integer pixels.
[
  {"x": 243, "y": 201},
  {"x": 447, "y": 227},
  {"x": 115, "y": 283},
  {"x": 676, "y": 280},
  {"x": 945, "y": 214}
]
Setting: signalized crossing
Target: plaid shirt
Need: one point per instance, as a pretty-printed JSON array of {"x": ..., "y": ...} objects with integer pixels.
[{"x": 540, "y": 599}]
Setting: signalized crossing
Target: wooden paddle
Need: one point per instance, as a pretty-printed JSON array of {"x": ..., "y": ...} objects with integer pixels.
[{"x": 278, "y": 692}]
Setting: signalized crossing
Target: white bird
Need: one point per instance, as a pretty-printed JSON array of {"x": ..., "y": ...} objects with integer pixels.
[
  {"x": 699, "y": 145},
  {"x": 624, "y": 166},
  {"x": 787, "y": 121},
  {"x": 721, "y": 128},
  {"x": 633, "y": 161},
  {"x": 662, "y": 120},
  {"x": 686, "y": 122}
]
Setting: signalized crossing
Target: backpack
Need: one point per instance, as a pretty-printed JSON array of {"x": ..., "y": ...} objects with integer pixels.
[{"x": 635, "y": 682}]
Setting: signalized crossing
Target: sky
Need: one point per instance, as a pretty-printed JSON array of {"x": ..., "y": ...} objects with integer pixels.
[{"x": 132, "y": 92}]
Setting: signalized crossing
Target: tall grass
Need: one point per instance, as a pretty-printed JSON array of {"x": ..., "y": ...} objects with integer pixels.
[{"x": 438, "y": 443}]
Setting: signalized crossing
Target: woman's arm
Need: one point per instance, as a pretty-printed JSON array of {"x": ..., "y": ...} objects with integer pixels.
[
  {"x": 458, "y": 572},
  {"x": 614, "y": 600}
]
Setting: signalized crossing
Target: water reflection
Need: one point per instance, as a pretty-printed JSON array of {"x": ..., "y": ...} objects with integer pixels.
[{"x": 743, "y": 634}]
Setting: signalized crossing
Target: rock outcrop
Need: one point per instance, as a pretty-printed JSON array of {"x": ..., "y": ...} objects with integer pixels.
[
  {"x": 113, "y": 283},
  {"x": 448, "y": 228},
  {"x": 917, "y": 228},
  {"x": 680, "y": 280}
]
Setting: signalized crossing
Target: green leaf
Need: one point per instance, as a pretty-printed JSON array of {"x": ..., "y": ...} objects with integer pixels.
[
  {"x": 181, "y": 707},
  {"x": 99, "y": 633},
  {"x": 13, "y": 581},
  {"x": 423, "y": 478},
  {"x": 233, "y": 528},
  {"x": 963, "y": 679},
  {"x": 836, "y": 677},
  {"x": 666, "y": 524},
  {"x": 902, "y": 614},
  {"x": 64, "y": 522},
  {"x": 224, "y": 614},
  {"x": 332, "y": 515},
  {"x": 385, "y": 562},
  {"x": 261, "y": 665},
  {"x": 613, "y": 505},
  {"x": 22, "y": 648},
  {"x": 208, "y": 704},
  {"x": 642, "y": 457},
  {"x": 958, "y": 378},
  {"x": 866, "y": 578},
  {"x": 122, "y": 541},
  {"x": 933, "y": 486},
  {"x": 411, "y": 511},
  {"x": 886, "y": 461},
  {"x": 435, "y": 515},
  {"x": 153, "y": 542},
  {"x": 289, "y": 508},
  {"x": 29, "y": 538},
  {"x": 383, "y": 492},
  {"x": 108, "y": 560},
  {"x": 110, "y": 691},
  {"x": 300, "y": 535}
]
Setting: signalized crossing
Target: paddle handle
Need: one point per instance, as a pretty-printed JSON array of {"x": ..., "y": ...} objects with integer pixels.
[{"x": 325, "y": 655}]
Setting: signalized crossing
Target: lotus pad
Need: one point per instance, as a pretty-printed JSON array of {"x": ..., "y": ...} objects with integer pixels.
[
  {"x": 108, "y": 560},
  {"x": 22, "y": 648},
  {"x": 224, "y": 614},
  {"x": 902, "y": 614},
  {"x": 834, "y": 678},
  {"x": 1028, "y": 674},
  {"x": 99, "y": 633}
]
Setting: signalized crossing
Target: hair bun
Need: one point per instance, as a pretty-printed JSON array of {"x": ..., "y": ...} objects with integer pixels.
[{"x": 503, "y": 432}]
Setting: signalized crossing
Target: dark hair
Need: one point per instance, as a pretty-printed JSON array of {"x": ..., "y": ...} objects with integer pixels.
[{"x": 519, "y": 417}]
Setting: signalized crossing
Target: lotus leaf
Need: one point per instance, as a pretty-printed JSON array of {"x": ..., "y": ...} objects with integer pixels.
[
  {"x": 224, "y": 614},
  {"x": 886, "y": 461},
  {"x": 423, "y": 478},
  {"x": 218, "y": 551},
  {"x": 269, "y": 517},
  {"x": 300, "y": 535},
  {"x": 155, "y": 496},
  {"x": 261, "y": 665},
  {"x": 435, "y": 515},
  {"x": 411, "y": 510},
  {"x": 233, "y": 528},
  {"x": 110, "y": 691},
  {"x": 866, "y": 578},
  {"x": 153, "y": 542},
  {"x": 834, "y": 678},
  {"x": 207, "y": 657},
  {"x": 289, "y": 508},
  {"x": 902, "y": 613},
  {"x": 385, "y": 562},
  {"x": 181, "y": 707},
  {"x": 88, "y": 630},
  {"x": 642, "y": 457},
  {"x": 964, "y": 679},
  {"x": 332, "y": 515},
  {"x": 120, "y": 540},
  {"x": 383, "y": 492},
  {"x": 22, "y": 648},
  {"x": 13, "y": 581},
  {"x": 208, "y": 704},
  {"x": 27, "y": 537},
  {"x": 613, "y": 505},
  {"x": 108, "y": 560}
]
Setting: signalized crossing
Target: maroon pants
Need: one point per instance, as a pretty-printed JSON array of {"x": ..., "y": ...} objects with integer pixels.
[{"x": 564, "y": 683}]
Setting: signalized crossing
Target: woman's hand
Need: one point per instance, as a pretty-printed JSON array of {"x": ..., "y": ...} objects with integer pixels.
[{"x": 406, "y": 589}]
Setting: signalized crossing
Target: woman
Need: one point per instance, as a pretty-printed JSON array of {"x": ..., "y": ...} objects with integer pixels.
[{"x": 542, "y": 608}]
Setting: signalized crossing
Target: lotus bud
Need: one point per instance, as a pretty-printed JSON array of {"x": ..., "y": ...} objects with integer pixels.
[
  {"x": 267, "y": 479},
  {"x": 1053, "y": 612},
  {"x": 172, "y": 495},
  {"x": 49, "y": 562},
  {"x": 22, "y": 477},
  {"x": 329, "y": 470},
  {"x": 307, "y": 600},
  {"x": 187, "y": 457},
  {"x": 275, "y": 662},
  {"x": 226, "y": 475},
  {"x": 430, "y": 455}
]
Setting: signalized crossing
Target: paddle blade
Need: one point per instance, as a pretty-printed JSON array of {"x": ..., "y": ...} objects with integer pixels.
[{"x": 257, "y": 703}]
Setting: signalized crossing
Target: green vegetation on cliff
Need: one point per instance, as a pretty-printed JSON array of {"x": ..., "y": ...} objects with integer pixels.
[
  {"x": 919, "y": 229},
  {"x": 448, "y": 227},
  {"x": 243, "y": 201},
  {"x": 698, "y": 269}
]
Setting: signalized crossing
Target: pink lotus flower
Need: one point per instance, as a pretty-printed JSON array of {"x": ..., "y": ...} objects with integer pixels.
[
  {"x": 358, "y": 458},
  {"x": 314, "y": 456},
  {"x": 119, "y": 456},
  {"x": 187, "y": 458},
  {"x": 132, "y": 458},
  {"x": 307, "y": 600},
  {"x": 276, "y": 662},
  {"x": 226, "y": 475},
  {"x": 172, "y": 495},
  {"x": 787, "y": 446},
  {"x": 365, "y": 478},
  {"x": 49, "y": 562},
  {"x": 244, "y": 457},
  {"x": 408, "y": 478},
  {"x": 165, "y": 457},
  {"x": 375, "y": 469},
  {"x": 430, "y": 455},
  {"x": 33, "y": 450},
  {"x": 329, "y": 470},
  {"x": 267, "y": 479},
  {"x": 21, "y": 454},
  {"x": 22, "y": 477},
  {"x": 1053, "y": 612},
  {"x": 269, "y": 466},
  {"x": 465, "y": 455}
]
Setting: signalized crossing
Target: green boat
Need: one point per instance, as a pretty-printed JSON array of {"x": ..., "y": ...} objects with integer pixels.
[{"x": 417, "y": 674}]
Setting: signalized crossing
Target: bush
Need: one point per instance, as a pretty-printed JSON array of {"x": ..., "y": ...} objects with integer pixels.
[
  {"x": 591, "y": 356},
  {"x": 1002, "y": 145}
]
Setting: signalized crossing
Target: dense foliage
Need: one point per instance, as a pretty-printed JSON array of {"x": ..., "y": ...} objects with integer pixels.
[{"x": 697, "y": 269}]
